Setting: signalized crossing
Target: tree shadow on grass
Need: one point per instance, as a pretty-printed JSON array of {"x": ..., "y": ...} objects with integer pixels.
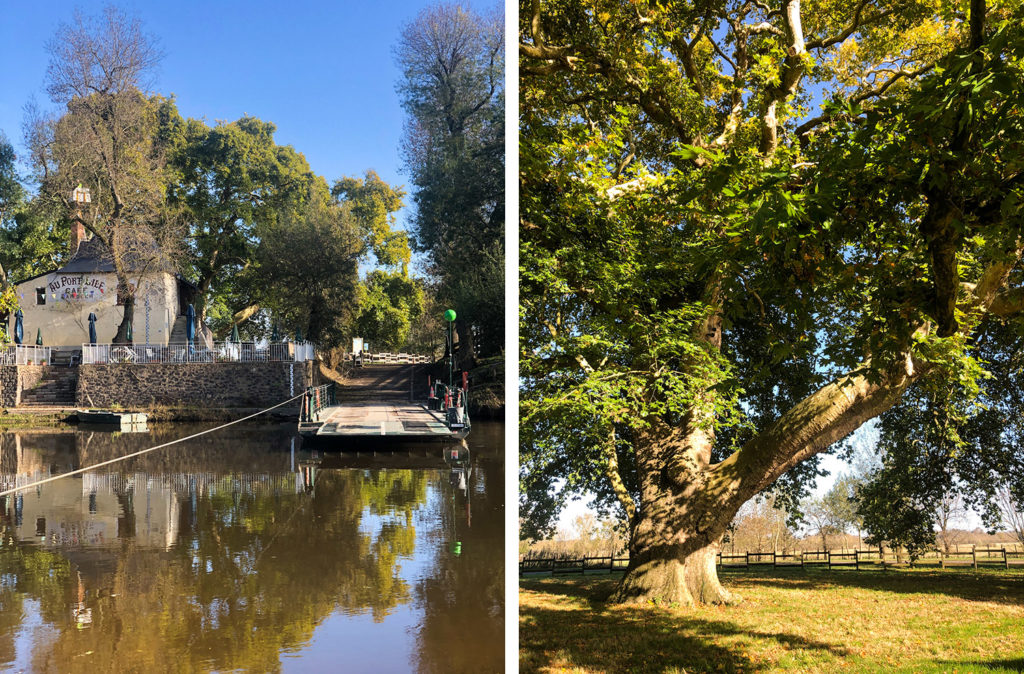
[
  {"x": 592, "y": 635},
  {"x": 988, "y": 585},
  {"x": 1011, "y": 665}
]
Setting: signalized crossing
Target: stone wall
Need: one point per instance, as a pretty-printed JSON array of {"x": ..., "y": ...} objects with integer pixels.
[
  {"x": 200, "y": 385},
  {"x": 29, "y": 377},
  {"x": 16, "y": 378},
  {"x": 8, "y": 385}
]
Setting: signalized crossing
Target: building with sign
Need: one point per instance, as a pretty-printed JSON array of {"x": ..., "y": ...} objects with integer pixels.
[{"x": 57, "y": 304}]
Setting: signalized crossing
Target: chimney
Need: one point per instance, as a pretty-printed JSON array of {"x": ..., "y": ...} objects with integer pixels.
[{"x": 77, "y": 236}]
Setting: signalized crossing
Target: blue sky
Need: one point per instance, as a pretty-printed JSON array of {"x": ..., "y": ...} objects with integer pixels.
[{"x": 323, "y": 72}]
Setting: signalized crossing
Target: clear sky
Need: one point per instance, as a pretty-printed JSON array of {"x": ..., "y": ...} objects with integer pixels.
[{"x": 322, "y": 71}]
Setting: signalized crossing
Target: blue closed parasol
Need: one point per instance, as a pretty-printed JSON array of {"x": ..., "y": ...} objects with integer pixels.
[
  {"x": 19, "y": 330},
  {"x": 190, "y": 324},
  {"x": 234, "y": 334},
  {"x": 92, "y": 328},
  {"x": 39, "y": 336}
]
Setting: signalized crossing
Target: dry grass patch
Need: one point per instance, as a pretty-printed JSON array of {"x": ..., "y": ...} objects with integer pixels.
[{"x": 806, "y": 621}]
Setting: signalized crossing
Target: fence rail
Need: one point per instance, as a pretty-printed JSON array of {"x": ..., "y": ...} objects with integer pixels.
[
  {"x": 24, "y": 354},
  {"x": 994, "y": 557},
  {"x": 221, "y": 352},
  {"x": 389, "y": 358}
]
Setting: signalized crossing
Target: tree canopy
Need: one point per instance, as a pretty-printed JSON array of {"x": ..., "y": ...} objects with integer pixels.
[
  {"x": 723, "y": 278},
  {"x": 452, "y": 89},
  {"x": 222, "y": 204}
]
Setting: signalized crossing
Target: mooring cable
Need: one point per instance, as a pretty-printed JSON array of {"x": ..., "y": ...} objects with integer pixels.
[{"x": 143, "y": 451}]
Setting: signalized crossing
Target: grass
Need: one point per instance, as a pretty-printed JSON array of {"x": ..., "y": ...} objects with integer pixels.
[
  {"x": 13, "y": 421},
  {"x": 814, "y": 620}
]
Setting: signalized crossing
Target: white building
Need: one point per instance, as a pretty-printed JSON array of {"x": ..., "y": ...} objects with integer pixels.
[{"x": 58, "y": 303}]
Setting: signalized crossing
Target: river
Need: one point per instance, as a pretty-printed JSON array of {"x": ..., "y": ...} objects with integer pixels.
[{"x": 245, "y": 550}]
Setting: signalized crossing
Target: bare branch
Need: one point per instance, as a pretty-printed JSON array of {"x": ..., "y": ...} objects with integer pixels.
[{"x": 875, "y": 92}]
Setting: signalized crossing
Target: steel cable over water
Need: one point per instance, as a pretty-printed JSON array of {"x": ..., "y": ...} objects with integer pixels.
[{"x": 144, "y": 451}]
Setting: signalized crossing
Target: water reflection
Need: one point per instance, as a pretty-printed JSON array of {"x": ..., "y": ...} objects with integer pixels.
[{"x": 244, "y": 551}]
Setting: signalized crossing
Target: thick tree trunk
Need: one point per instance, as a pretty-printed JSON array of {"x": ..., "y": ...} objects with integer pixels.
[
  {"x": 682, "y": 518},
  {"x": 205, "y": 281},
  {"x": 683, "y": 572},
  {"x": 467, "y": 351},
  {"x": 129, "y": 314}
]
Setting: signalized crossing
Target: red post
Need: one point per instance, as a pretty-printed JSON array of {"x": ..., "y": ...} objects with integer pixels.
[{"x": 465, "y": 380}]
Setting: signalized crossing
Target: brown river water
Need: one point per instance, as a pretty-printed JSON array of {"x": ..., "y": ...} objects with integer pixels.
[{"x": 244, "y": 550}]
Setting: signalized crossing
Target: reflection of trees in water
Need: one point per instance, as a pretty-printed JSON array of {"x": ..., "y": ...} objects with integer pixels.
[
  {"x": 463, "y": 598},
  {"x": 41, "y": 575},
  {"x": 251, "y": 574}
]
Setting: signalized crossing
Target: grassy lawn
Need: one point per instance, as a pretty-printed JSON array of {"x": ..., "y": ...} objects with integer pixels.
[{"x": 814, "y": 620}]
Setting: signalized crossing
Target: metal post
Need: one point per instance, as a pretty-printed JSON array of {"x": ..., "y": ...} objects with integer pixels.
[{"x": 451, "y": 352}]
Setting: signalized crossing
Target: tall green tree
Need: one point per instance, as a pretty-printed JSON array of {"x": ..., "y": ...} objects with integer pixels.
[
  {"x": 373, "y": 204},
  {"x": 391, "y": 303},
  {"x": 718, "y": 282},
  {"x": 452, "y": 89},
  {"x": 945, "y": 441},
  {"x": 307, "y": 270},
  {"x": 232, "y": 179}
]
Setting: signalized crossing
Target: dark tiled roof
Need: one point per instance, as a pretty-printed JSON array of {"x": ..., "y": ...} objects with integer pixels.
[{"x": 92, "y": 257}]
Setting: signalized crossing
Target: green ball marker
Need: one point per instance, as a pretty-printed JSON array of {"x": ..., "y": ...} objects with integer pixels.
[{"x": 449, "y": 315}]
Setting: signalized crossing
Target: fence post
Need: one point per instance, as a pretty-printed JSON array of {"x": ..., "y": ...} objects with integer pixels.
[{"x": 974, "y": 556}]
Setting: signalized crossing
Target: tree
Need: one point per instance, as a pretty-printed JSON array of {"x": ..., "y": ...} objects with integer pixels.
[
  {"x": 950, "y": 447},
  {"x": 951, "y": 508},
  {"x": 391, "y": 303},
  {"x": 308, "y": 270},
  {"x": 12, "y": 195},
  {"x": 717, "y": 284},
  {"x": 760, "y": 526},
  {"x": 1009, "y": 506},
  {"x": 835, "y": 511},
  {"x": 374, "y": 204},
  {"x": 232, "y": 179},
  {"x": 823, "y": 519},
  {"x": 107, "y": 140},
  {"x": 452, "y": 61}
]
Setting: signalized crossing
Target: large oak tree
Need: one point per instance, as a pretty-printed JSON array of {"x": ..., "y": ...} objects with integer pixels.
[{"x": 747, "y": 228}]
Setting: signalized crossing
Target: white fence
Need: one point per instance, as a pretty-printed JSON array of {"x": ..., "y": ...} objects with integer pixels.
[
  {"x": 24, "y": 354},
  {"x": 221, "y": 352},
  {"x": 389, "y": 358}
]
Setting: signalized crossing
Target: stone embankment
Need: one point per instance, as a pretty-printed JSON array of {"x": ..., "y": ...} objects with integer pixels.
[{"x": 208, "y": 389}]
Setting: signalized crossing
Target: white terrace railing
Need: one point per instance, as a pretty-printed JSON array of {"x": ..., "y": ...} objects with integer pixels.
[
  {"x": 24, "y": 354},
  {"x": 389, "y": 358},
  {"x": 221, "y": 352}
]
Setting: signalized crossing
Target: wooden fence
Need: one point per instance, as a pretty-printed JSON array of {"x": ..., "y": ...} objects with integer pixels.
[{"x": 855, "y": 559}]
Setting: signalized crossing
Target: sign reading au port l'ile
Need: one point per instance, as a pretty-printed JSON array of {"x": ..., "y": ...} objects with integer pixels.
[{"x": 77, "y": 287}]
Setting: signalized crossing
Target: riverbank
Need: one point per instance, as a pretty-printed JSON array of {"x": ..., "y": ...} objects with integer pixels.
[{"x": 46, "y": 417}]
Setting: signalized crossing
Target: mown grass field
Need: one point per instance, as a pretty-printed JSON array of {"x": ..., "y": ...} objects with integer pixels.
[{"x": 810, "y": 620}]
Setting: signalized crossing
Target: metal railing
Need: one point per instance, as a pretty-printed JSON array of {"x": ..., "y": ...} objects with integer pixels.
[
  {"x": 220, "y": 352},
  {"x": 24, "y": 354},
  {"x": 316, "y": 399},
  {"x": 389, "y": 358}
]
